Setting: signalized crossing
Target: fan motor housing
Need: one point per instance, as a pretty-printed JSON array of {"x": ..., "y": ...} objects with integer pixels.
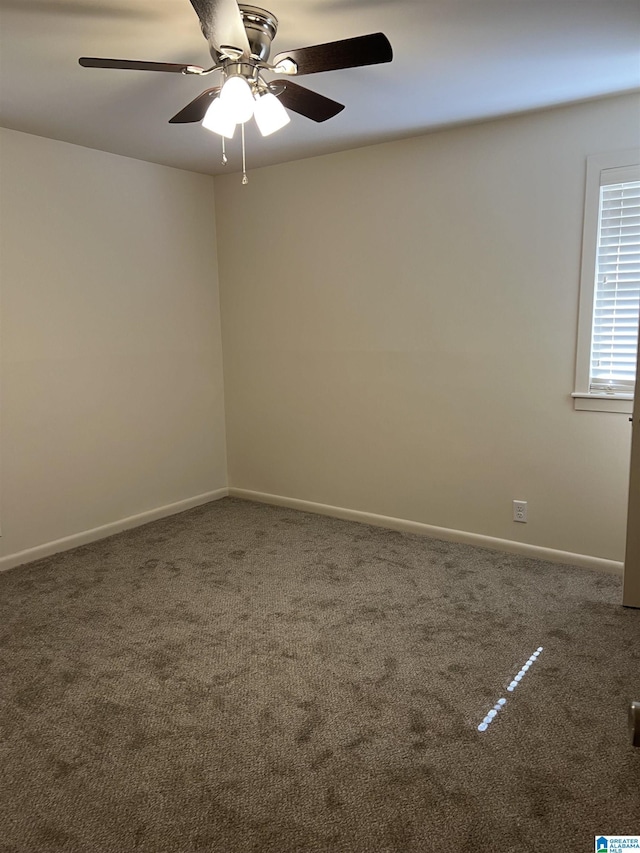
[{"x": 261, "y": 27}]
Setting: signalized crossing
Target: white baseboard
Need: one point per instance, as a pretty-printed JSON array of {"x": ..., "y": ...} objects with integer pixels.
[
  {"x": 536, "y": 551},
  {"x": 86, "y": 536}
]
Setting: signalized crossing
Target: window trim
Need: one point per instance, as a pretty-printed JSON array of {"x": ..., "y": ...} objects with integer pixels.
[{"x": 583, "y": 399}]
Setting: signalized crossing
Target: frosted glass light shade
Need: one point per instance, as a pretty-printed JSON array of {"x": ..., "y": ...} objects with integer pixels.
[
  {"x": 218, "y": 120},
  {"x": 238, "y": 99},
  {"x": 270, "y": 115}
]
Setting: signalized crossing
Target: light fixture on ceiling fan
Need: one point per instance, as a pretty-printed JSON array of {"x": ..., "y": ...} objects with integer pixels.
[{"x": 239, "y": 38}]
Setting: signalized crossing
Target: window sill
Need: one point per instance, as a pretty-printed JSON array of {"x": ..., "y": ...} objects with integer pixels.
[{"x": 621, "y": 404}]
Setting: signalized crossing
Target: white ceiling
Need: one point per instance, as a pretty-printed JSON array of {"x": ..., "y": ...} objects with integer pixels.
[{"x": 454, "y": 61}]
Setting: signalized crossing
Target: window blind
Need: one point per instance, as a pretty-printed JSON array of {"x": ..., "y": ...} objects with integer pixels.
[{"x": 614, "y": 346}]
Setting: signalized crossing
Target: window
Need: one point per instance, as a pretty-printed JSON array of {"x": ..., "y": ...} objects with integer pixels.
[{"x": 610, "y": 285}]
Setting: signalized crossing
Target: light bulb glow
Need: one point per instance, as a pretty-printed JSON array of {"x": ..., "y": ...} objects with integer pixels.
[
  {"x": 237, "y": 98},
  {"x": 269, "y": 113},
  {"x": 218, "y": 120}
]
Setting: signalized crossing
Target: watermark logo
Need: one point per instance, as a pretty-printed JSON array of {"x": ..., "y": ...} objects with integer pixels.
[{"x": 617, "y": 843}]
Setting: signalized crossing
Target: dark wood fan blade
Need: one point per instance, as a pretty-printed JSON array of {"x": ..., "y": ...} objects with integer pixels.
[
  {"x": 304, "y": 101},
  {"x": 222, "y": 24},
  {"x": 196, "y": 110},
  {"x": 135, "y": 65},
  {"x": 349, "y": 53}
]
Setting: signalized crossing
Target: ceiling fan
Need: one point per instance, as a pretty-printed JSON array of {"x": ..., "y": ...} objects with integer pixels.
[{"x": 239, "y": 38}]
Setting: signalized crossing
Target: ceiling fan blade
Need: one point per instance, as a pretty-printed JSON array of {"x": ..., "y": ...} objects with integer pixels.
[
  {"x": 136, "y": 65},
  {"x": 304, "y": 101},
  {"x": 348, "y": 53},
  {"x": 222, "y": 24},
  {"x": 195, "y": 111}
]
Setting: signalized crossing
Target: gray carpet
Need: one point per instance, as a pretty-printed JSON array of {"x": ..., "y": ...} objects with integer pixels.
[{"x": 249, "y": 678}]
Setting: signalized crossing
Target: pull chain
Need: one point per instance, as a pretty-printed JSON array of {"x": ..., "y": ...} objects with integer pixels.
[
  {"x": 224, "y": 154},
  {"x": 245, "y": 179}
]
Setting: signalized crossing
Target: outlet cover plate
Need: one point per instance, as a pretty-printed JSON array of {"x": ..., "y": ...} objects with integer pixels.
[{"x": 520, "y": 511}]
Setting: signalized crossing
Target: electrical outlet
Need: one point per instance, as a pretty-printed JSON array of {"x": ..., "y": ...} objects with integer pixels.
[{"x": 520, "y": 511}]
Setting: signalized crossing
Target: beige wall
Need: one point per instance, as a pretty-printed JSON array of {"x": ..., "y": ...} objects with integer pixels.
[
  {"x": 399, "y": 331},
  {"x": 112, "y": 392}
]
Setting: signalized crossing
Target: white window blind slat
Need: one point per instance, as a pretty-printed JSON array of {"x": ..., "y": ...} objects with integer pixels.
[{"x": 614, "y": 342}]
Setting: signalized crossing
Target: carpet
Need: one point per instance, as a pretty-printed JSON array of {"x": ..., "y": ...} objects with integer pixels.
[{"x": 243, "y": 677}]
